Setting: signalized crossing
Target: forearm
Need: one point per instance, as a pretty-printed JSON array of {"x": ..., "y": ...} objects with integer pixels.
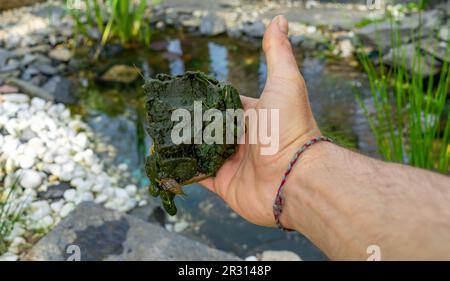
[{"x": 344, "y": 202}]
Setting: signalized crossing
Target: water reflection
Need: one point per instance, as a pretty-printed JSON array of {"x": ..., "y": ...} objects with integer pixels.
[
  {"x": 244, "y": 69},
  {"x": 174, "y": 53},
  {"x": 218, "y": 56}
]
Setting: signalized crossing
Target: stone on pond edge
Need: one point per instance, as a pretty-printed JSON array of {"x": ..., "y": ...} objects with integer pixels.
[{"x": 124, "y": 237}]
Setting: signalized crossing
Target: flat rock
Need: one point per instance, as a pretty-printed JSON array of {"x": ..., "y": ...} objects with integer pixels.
[
  {"x": 379, "y": 35},
  {"x": 436, "y": 48},
  {"x": 28, "y": 59},
  {"x": 4, "y": 56},
  {"x": 30, "y": 89},
  {"x": 31, "y": 50},
  {"x": 61, "y": 89},
  {"x": 410, "y": 53},
  {"x": 254, "y": 29},
  {"x": 15, "y": 98},
  {"x": 193, "y": 23},
  {"x": 102, "y": 234},
  {"x": 120, "y": 74},
  {"x": 29, "y": 72},
  {"x": 212, "y": 24},
  {"x": 61, "y": 54},
  {"x": 7, "y": 89},
  {"x": 46, "y": 69},
  {"x": 12, "y": 66},
  {"x": 55, "y": 191},
  {"x": 430, "y": 20}
]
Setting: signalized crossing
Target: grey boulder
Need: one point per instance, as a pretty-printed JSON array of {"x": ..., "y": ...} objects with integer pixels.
[{"x": 92, "y": 232}]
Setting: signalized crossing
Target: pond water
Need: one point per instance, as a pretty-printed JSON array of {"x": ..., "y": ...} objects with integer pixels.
[{"x": 116, "y": 113}]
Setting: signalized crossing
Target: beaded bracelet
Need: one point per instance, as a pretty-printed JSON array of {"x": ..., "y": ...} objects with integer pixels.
[{"x": 279, "y": 199}]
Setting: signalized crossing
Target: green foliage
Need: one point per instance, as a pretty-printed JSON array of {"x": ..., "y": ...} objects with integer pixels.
[
  {"x": 410, "y": 122},
  {"x": 368, "y": 21},
  {"x": 9, "y": 215},
  {"x": 123, "y": 20}
]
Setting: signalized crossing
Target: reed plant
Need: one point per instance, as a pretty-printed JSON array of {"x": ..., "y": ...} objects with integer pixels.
[
  {"x": 409, "y": 119},
  {"x": 123, "y": 20},
  {"x": 10, "y": 213}
]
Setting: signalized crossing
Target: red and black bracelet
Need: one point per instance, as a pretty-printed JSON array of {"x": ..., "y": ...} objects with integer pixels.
[{"x": 279, "y": 199}]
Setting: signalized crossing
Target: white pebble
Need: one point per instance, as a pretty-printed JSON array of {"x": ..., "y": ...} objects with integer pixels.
[
  {"x": 121, "y": 193},
  {"x": 87, "y": 196},
  {"x": 54, "y": 169},
  {"x": 46, "y": 222},
  {"x": 66, "y": 209},
  {"x": 10, "y": 107},
  {"x": 65, "y": 176},
  {"x": 38, "y": 103},
  {"x": 8, "y": 257},
  {"x": 81, "y": 140},
  {"x": 16, "y": 231},
  {"x": 97, "y": 188},
  {"x": 16, "y": 245},
  {"x": 102, "y": 198},
  {"x": 85, "y": 185},
  {"x": 311, "y": 29},
  {"x": 16, "y": 98},
  {"x": 96, "y": 169},
  {"x": 169, "y": 227},
  {"x": 251, "y": 258},
  {"x": 61, "y": 159},
  {"x": 26, "y": 161},
  {"x": 39, "y": 210},
  {"x": 131, "y": 189},
  {"x": 122, "y": 167},
  {"x": 76, "y": 182},
  {"x": 180, "y": 226},
  {"x": 70, "y": 195},
  {"x": 30, "y": 179},
  {"x": 57, "y": 206}
]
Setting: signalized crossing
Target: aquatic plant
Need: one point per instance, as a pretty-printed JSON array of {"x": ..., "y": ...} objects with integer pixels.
[
  {"x": 410, "y": 118},
  {"x": 9, "y": 213},
  {"x": 124, "y": 20}
]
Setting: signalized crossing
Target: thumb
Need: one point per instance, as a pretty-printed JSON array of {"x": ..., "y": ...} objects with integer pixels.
[{"x": 281, "y": 63}]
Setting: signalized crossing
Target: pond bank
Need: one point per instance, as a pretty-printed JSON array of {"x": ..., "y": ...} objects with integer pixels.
[{"x": 126, "y": 238}]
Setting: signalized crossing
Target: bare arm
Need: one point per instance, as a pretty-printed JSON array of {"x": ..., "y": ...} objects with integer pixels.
[{"x": 344, "y": 202}]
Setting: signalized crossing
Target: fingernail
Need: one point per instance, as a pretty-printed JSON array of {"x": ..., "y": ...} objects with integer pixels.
[{"x": 282, "y": 24}]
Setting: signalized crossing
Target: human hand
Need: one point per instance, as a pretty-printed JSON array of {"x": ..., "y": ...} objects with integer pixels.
[{"x": 248, "y": 181}]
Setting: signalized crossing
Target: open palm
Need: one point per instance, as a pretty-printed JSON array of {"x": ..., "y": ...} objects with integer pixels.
[{"x": 248, "y": 181}]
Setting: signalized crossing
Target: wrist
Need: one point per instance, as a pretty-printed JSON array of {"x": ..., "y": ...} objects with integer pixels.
[
  {"x": 302, "y": 193},
  {"x": 298, "y": 190}
]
